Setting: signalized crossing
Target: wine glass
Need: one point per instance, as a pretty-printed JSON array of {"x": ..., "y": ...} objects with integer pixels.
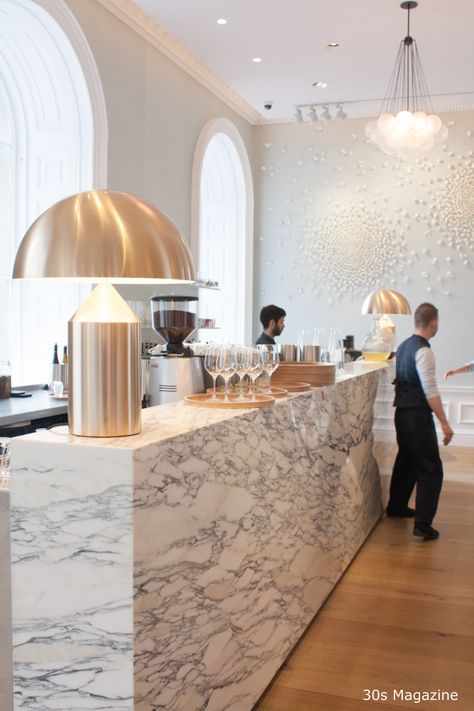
[
  {"x": 254, "y": 367},
  {"x": 318, "y": 334},
  {"x": 212, "y": 366},
  {"x": 336, "y": 349},
  {"x": 270, "y": 360},
  {"x": 240, "y": 368},
  {"x": 303, "y": 338},
  {"x": 324, "y": 356},
  {"x": 226, "y": 363}
]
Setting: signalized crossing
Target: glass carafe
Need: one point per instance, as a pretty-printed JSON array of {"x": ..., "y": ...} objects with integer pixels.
[
  {"x": 377, "y": 345},
  {"x": 336, "y": 349}
]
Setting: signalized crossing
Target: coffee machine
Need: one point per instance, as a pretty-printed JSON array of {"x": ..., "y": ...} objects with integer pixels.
[{"x": 176, "y": 371}]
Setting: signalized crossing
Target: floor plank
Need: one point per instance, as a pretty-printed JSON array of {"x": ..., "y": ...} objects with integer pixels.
[{"x": 401, "y": 617}]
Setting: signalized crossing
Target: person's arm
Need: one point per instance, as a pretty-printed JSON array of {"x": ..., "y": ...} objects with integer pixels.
[
  {"x": 468, "y": 367},
  {"x": 437, "y": 407},
  {"x": 425, "y": 367}
]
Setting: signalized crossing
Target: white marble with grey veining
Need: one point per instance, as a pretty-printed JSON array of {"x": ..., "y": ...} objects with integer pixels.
[
  {"x": 6, "y": 692},
  {"x": 177, "y": 568}
]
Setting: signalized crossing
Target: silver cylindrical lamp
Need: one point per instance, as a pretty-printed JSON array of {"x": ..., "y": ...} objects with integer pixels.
[
  {"x": 104, "y": 358},
  {"x": 104, "y": 236}
]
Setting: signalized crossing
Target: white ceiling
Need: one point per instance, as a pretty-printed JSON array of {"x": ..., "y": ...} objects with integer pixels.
[{"x": 291, "y": 37}]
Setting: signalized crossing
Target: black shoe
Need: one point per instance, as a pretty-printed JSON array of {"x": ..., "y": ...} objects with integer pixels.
[
  {"x": 428, "y": 533},
  {"x": 406, "y": 513}
]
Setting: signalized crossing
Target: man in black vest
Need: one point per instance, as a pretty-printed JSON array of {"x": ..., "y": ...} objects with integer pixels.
[{"x": 416, "y": 398}]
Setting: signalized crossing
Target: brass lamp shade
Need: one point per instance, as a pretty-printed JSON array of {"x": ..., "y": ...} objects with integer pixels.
[
  {"x": 385, "y": 301},
  {"x": 104, "y": 235}
]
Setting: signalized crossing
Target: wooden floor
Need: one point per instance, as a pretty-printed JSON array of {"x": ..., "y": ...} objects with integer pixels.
[{"x": 402, "y": 617}]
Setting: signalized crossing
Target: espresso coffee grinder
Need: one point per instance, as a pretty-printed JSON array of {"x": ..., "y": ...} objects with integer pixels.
[{"x": 176, "y": 372}]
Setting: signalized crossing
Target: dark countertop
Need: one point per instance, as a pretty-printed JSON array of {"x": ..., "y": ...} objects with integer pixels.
[{"x": 23, "y": 409}]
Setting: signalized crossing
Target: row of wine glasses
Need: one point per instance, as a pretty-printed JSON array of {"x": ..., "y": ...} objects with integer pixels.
[{"x": 227, "y": 360}]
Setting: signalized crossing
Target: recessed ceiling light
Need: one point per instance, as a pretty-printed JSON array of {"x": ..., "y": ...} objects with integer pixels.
[
  {"x": 333, "y": 44},
  {"x": 221, "y": 21},
  {"x": 257, "y": 60},
  {"x": 319, "y": 84}
]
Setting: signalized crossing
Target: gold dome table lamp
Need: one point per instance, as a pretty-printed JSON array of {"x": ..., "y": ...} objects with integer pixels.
[
  {"x": 381, "y": 340},
  {"x": 104, "y": 237}
]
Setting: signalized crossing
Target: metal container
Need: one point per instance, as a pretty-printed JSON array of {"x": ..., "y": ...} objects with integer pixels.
[
  {"x": 287, "y": 351},
  {"x": 311, "y": 354},
  {"x": 56, "y": 374},
  {"x": 65, "y": 375}
]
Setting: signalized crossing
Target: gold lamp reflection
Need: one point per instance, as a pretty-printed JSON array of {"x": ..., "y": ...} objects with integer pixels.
[
  {"x": 381, "y": 341},
  {"x": 103, "y": 236}
]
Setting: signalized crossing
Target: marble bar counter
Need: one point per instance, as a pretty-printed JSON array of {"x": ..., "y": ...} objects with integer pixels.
[
  {"x": 5, "y": 601},
  {"x": 177, "y": 568}
]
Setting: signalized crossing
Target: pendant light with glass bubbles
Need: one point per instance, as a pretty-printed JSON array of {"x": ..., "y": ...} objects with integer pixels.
[{"x": 407, "y": 126}]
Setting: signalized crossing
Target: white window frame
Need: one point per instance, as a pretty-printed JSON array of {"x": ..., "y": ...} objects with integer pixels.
[
  {"x": 53, "y": 18},
  {"x": 245, "y": 268}
]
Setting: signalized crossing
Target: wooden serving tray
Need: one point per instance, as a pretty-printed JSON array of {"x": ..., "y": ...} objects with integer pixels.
[
  {"x": 273, "y": 391},
  {"x": 204, "y": 400},
  {"x": 313, "y": 373},
  {"x": 297, "y": 387}
]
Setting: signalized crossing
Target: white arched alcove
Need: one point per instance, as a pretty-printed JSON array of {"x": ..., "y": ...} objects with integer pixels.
[
  {"x": 222, "y": 228},
  {"x": 90, "y": 80},
  {"x": 52, "y": 93}
]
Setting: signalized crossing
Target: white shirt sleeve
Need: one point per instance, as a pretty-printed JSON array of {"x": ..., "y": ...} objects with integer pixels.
[
  {"x": 471, "y": 366},
  {"x": 425, "y": 367}
]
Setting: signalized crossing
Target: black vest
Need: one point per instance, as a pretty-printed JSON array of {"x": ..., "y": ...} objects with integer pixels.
[{"x": 408, "y": 389}]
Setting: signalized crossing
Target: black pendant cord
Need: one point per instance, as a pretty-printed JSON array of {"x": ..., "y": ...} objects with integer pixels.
[
  {"x": 408, "y": 41},
  {"x": 407, "y": 89},
  {"x": 408, "y": 66}
]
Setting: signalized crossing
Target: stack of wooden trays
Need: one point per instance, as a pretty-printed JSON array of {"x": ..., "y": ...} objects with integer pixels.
[
  {"x": 230, "y": 402},
  {"x": 295, "y": 387},
  {"x": 274, "y": 391},
  {"x": 316, "y": 374}
]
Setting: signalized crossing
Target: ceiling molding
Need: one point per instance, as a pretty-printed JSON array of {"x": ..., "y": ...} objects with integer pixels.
[
  {"x": 152, "y": 32},
  {"x": 370, "y": 108}
]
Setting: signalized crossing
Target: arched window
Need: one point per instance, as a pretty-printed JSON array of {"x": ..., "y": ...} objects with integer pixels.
[
  {"x": 53, "y": 137},
  {"x": 223, "y": 230}
]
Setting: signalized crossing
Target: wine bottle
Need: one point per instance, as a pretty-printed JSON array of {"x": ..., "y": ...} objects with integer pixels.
[
  {"x": 65, "y": 369},
  {"x": 55, "y": 355}
]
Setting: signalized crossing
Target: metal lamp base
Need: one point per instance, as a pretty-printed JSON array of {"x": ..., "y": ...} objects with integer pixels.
[{"x": 104, "y": 367}]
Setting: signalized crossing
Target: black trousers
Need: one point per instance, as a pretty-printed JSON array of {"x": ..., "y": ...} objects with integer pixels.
[{"x": 418, "y": 462}]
